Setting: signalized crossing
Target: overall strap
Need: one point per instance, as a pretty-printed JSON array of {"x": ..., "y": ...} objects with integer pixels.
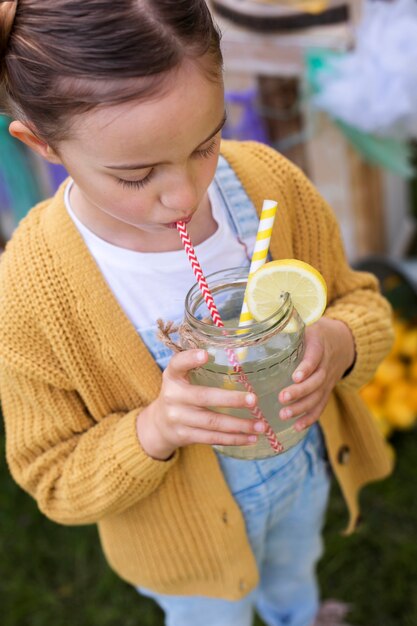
[
  {"x": 243, "y": 219},
  {"x": 240, "y": 211}
]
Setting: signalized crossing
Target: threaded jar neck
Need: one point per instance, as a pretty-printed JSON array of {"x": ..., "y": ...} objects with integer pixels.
[{"x": 228, "y": 288}]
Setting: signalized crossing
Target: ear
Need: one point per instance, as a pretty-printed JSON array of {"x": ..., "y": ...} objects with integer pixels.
[{"x": 21, "y": 131}]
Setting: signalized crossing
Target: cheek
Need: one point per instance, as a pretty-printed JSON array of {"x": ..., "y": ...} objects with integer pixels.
[
  {"x": 114, "y": 195},
  {"x": 128, "y": 203},
  {"x": 208, "y": 168}
]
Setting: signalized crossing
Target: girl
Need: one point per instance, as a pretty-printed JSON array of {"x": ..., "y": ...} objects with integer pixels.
[{"x": 102, "y": 423}]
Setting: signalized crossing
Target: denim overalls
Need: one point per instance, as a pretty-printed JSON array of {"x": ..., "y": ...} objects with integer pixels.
[{"x": 283, "y": 499}]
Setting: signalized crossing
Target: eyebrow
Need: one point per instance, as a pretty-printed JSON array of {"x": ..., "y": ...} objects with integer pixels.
[{"x": 139, "y": 166}]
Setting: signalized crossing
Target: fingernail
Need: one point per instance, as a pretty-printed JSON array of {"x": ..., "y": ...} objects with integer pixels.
[
  {"x": 259, "y": 427},
  {"x": 252, "y": 438},
  {"x": 286, "y": 396},
  {"x": 285, "y": 414},
  {"x": 250, "y": 399},
  {"x": 299, "y": 426},
  {"x": 201, "y": 356},
  {"x": 298, "y": 376}
]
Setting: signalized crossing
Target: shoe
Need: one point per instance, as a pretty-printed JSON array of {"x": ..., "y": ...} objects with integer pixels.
[{"x": 332, "y": 613}]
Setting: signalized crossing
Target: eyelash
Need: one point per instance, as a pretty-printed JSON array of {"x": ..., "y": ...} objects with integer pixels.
[
  {"x": 139, "y": 184},
  {"x": 135, "y": 184},
  {"x": 207, "y": 152}
]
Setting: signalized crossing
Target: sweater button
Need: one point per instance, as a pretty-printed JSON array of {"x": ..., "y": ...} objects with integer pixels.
[
  {"x": 243, "y": 585},
  {"x": 225, "y": 517},
  {"x": 343, "y": 456}
]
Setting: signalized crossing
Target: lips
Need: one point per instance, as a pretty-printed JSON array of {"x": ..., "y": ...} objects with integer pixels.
[{"x": 184, "y": 220}]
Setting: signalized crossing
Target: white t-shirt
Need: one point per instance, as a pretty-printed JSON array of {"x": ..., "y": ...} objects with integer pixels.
[{"x": 152, "y": 285}]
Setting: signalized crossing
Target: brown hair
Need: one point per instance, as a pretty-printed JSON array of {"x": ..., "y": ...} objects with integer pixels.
[{"x": 59, "y": 58}]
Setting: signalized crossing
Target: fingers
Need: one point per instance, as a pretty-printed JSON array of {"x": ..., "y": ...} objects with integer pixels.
[
  {"x": 216, "y": 421},
  {"x": 310, "y": 385},
  {"x": 183, "y": 414},
  {"x": 197, "y": 395},
  {"x": 213, "y": 438},
  {"x": 182, "y": 362},
  {"x": 313, "y": 354},
  {"x": 313, "y": 378},
  {"x": 309, "y": 409},
  {"x": 310, "y": 417},
  {"x": 190, "y": 425},
  {"x": 307, "y": 403},
  {"x": 305, "y": 399}
]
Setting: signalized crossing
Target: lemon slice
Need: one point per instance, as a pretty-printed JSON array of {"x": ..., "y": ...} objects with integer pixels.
[{"x": 303, "y": 282}]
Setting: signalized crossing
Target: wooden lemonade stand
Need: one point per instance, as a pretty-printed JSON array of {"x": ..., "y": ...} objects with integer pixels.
[{"x": 264, "y": 43}]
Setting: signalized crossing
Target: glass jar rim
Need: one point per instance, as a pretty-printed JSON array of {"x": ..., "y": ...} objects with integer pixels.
[{"x": 216, "y": 281}]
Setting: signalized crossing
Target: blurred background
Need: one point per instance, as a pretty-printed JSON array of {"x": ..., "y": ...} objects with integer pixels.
[{"x": 332, "y": 84}]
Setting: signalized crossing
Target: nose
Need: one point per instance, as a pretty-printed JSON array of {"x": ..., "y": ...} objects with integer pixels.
[{"x": 180, "y": 192}]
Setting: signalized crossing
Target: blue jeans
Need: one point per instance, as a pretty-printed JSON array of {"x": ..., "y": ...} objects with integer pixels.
[{"x": 283, "y": 500}]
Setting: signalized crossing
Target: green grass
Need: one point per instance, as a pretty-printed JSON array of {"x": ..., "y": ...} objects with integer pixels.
[
  {"x": 57, "y": 575},
  {"x": 376, "y": 568}
]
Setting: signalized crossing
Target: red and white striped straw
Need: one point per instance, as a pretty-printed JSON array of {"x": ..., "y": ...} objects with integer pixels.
[{"x": 215, "y": 315}]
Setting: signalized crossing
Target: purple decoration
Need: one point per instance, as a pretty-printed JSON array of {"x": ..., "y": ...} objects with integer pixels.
[
  {"x": 250, "y": 125},
  {"x": 4, "y": 195},
  {"x": 57, "y": 174}
]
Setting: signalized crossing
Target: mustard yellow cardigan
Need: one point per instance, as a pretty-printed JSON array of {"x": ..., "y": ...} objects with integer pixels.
[{"x": 74, "y": 374}]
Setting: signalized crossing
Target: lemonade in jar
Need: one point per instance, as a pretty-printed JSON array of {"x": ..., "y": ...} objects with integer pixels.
[{"x": 268, "y": 352}]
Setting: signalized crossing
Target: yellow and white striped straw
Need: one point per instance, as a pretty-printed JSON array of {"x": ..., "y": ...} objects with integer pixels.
[{"x": 260, "y": 251}]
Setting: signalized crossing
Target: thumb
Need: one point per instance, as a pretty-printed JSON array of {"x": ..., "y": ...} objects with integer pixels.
[{"x": 182, "y": 362}]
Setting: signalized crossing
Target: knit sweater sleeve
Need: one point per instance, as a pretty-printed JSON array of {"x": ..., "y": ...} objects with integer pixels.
[
  {"x": 78, "y": 470},
  {"x": 353, "y": 296},
  {"x": 80, "y": 460},
  {"x": 356, "y": 301},
  {"x": 306, "y": 229}
]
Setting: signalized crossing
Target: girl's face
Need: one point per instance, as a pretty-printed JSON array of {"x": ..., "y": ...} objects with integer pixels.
[{"x": 140, "y": 166}]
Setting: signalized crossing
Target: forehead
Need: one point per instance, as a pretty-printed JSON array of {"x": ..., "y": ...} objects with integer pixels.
[{"x": 179, "y": 116}]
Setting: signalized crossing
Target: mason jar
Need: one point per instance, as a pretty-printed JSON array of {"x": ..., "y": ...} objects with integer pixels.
[{"x": 267, "y": 352}]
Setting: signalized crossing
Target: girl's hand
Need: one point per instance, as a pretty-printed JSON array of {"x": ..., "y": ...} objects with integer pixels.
[
  {"x": 329, "y": 352},
  {"x": 181, "y": 416}
]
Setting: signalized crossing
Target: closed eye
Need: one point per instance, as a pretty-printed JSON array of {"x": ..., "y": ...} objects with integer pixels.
[
  {"x": 205, "y": 153},
  {"x": 135, "y": 184}
]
